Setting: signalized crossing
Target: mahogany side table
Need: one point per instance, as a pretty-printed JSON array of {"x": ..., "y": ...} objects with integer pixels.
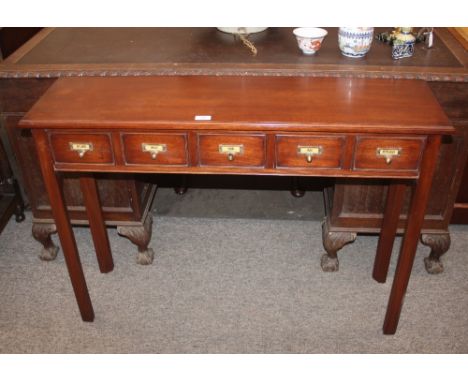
[{"x": 323, "y": 127}]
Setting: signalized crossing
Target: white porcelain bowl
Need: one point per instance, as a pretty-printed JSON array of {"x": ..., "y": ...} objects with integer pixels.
[{"x": 309, "y": 40}]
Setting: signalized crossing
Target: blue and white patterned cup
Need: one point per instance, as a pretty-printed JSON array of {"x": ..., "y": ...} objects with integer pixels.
[{"x": 355, "y": 41}]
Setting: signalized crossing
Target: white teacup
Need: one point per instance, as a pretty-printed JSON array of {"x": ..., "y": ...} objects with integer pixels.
[{"x": 309, "y": 40}]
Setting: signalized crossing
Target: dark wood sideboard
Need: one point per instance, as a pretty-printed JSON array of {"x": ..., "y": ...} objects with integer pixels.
[
  {"x": 352, "y": 206},
  {"x": 12, "y": 38},
  {"x": 11, "y": 201}
]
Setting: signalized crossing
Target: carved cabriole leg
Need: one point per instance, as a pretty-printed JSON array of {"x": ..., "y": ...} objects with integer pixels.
[
  {"x": 140, "y": 236},
  {"x": 41, "y": 232},
  {"x": 439, "y": 244},
  {"x": 333, "y": 242}
]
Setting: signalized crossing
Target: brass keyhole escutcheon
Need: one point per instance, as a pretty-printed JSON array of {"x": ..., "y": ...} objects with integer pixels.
[{"x": 230, "y": 157}]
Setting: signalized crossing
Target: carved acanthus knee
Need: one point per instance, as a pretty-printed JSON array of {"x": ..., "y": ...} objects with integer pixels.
[
  {"x": 42, "y": 232},
  {"x": 439, "y": 244},
  {"x": 333, "y": 242},
  {"x": 140, "y": 236}
]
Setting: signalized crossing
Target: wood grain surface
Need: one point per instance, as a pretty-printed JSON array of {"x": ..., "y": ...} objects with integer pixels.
[{"x": 326, "y": 104}]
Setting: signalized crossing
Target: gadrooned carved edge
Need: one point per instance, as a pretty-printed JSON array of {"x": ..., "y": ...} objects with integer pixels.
[{"x": 231, "y": 72}]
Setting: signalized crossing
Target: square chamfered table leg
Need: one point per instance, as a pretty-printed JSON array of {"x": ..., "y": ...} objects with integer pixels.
[
  {"x": 64, "y": 229},
  {"x": 393, "y": 205},
  {"x": 409, "y": 244},
  {"x": 96, "y": 222}
]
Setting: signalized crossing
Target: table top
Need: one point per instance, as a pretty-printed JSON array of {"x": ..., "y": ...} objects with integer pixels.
[
  {"x": 59, "y": 52},
  {"x": 297, "y": 103}
]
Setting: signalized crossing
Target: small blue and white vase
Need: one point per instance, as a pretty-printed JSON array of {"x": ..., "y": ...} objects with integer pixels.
[
  {"x": 403, "y": 44},
  {"x": 355, "y": 41}
]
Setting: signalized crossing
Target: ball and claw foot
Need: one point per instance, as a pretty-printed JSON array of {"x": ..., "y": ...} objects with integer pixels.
[
  {"x": 140, "y": 235},
  {"x": 329, "y": 264},
  {"x": 145, "y": 257},
  {"x": 333, "y": 241},
  {"x": 49, "y": 253},
  {"x": 439, "y": 244},
  {"x": 433, "y": 266},
  {"x": 42, "y": 233}
]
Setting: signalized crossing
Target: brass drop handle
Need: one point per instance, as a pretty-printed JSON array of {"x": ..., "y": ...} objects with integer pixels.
[
  {"x": 309, "y": 152},
  {"x": 153, "y": 149},
  {"x": 388, "y": 153},
  {"x": 231, "y": 150},
  {"x": 81, "y": 148}
]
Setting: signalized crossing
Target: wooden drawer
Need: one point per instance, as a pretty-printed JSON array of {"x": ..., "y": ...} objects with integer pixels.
[
  {"x": 81, "y": 148},
  {"x": 159, "y": 149},
  {"x": 232, "y": 150},
  {"x": 388, "y": 153},
  {"x": 309, "y": 151}
]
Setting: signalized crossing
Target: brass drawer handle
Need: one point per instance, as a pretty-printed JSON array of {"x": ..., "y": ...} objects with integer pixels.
[
  {"x": 388, "y": 153},
  {"x": 231, "y": 150},
  {"x": 153, "y": 149},
  {"x": 309, "y": 152},
  {"x": 81, "y": 148}
]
